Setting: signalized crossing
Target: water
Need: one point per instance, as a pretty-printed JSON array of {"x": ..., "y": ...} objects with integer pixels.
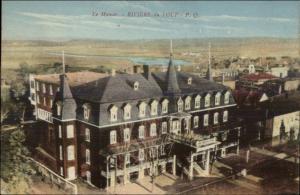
[{"x": 133, "y": 59}]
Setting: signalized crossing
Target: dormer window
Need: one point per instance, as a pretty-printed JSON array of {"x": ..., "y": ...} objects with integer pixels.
[
  {"x": 127, "y": 111},
  {"x": 136, "y": 85},
  {"x": 180, "y": 105},
  {"x": 114, "y": 113},
  {"x": 226, "y": 97},
  {"x": 165, "y": 103},
  {"x": 187, "y": 104},
  {"x": 197, "y": 101},
  {"x": 207, "y": 100},
  {"x": 189, "y": 80},
  {"x": 142, "y": 109},
  {"x": 58, "y": 108},
  {"x": 154, "y": 105},
  {"x": 217, "y": 99},
  {"x": 86, "y": 111}
]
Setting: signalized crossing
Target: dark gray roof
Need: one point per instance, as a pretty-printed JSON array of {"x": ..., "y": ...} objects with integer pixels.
[
  {"x": 172, "y": 82},
  {"x": 118, "y": 88},
  {"x": 198, "y": 85}
]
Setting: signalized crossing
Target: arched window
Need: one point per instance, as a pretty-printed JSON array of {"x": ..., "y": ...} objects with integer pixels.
[
  {"x": 165, "y": 104},
  {"x": 87, "y": 135},
  {"x": 196, "y": 121},
  {"x": 142, "y": 109},
  {"x": 136, "y": 85},
  {"x": 180, "y": 105},
  {"x": 126, "y": 135},
  {"x": 127, "y": 111},
  {"x": 187, "y": 104},
  {"x": 58, "y": 108},
  {"x": 70, "y": 152},
  {"x": 205, "y": 120},
  {"x": 226, "y": 97},
  {"x": 225, "y": 116},
  {"x": 114, "y": 113},
  {"x": 87, "y": 157},
  {"x": 197, "y": 101},
  {"x": 207, "y": 100},
  {"x": 154, "y": 105},
  {"x": 189, "y": 80},
  {"x": 141, "y": 132},
  {"x": 217, "y": 99},
  {"x": 153, "y": 130},
  {"x": 113, "y": 137},
  {"x": 86, "y": 111},
  {"x": 216, "y": 118}
]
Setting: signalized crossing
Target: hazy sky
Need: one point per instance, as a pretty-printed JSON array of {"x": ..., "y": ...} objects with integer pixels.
[{"x": 60, "y": 20}]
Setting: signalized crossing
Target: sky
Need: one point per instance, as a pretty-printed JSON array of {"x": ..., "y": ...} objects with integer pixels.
[{"x": 65, "y": 20}]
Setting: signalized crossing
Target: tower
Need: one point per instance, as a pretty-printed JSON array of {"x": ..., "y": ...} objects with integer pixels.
[
  {"x": 208, "y": 73},
  {"x": 172, "y": 82}
]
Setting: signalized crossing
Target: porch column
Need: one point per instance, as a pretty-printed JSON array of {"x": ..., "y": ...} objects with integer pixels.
[
  {"x": 174, "y": 165},
  {"x": 141, "y": 171},
  {"x": 191, "y": 175},
  {"x": 207, "y": 162},
  {"x": 125, "y": 177},
  {"x": 112, "y": 179}
]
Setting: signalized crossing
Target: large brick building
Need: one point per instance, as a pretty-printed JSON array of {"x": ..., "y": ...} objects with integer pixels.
[{"x": 113, "y": 129}]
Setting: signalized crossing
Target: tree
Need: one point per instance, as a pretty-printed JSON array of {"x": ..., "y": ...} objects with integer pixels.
[{"x": 15, "y": 167}]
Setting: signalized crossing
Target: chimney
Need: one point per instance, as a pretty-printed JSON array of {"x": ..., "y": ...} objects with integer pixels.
[
  {"x": 147, "y": 71},
  {"x": 113, "y": 72},
  {"x": 137, "y": 69}
]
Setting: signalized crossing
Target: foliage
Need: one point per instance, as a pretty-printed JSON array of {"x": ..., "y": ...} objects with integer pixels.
[{"x": 15, "y": 167}]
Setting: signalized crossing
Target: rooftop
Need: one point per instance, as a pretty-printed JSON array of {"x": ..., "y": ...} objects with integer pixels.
[{"x": 258, "y": 76}]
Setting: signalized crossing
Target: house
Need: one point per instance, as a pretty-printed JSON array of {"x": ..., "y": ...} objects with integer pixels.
[{"x": 118, "y": 128}]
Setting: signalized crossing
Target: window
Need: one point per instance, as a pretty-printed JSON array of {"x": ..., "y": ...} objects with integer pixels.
[
  {"x": 136, "y": 85},
  {"x": 175, "y": 126},
  {"x": 60, "y": 153},
  {"x": 165, "y": 103},
  {"x": 44, "y": 101},
  {"x": 216, "y": 118},
  {"x": 87, "y": 157},
  {"x": 153, "y": 130},
  {"x": 37, "y": 86},
  {"x": 164, "y": 127},
  {"x": 38, "y": 99},
  {"x": 180, "y": 105},
  {"x": 141, "y": 132},
  {"x": 226, "y": 97},
  {"x": 225, "y": 116},
  {"x": 58, "y": 108},
  {"x": 44, "y": 88},
  {"x": 187, "y": 103},
  {"x": 217, "y": 99},
  {"x": 207, "y": 100},
  {"x": 113, "y": 137},
  {"x": 87, "y": 135},
  {"x": 127, "y": 158},
  {"x": 127, "y": 111},
  {"x": 86, "y": 111},
  {"x": 205, "y": 120},
  {"x": 162, "y": 150},
  {"x": 114, "y": 113},
  {"x": 70, "y": 131},
  {"x": 59, "y": 131},
  {"x": 62, "y": 171},
  {"x": 50, "y": 90},
  {"x": 126, "y": 135},
  {"x": 71, "y": 173},
  {"x": 197, "y": 101},
  {"x": 70, "y": 151},
  {"x": 88, "y": 176},
  {"x": 141, "y": 154},
  {"x": 189, "y": 80},
  {"x": 154, "y": 105},
  {"x": 142, "y": 109},
  {"x": 196, "y": 121},
  {"x": 51, "y": 103}
]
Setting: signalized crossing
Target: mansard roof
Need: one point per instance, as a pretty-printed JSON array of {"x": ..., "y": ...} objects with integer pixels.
[
  {"x": 198, "y": 85},
  {"x": 118, "y": 88}
]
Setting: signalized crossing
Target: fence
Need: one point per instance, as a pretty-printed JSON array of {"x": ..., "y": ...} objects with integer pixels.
[{"x": 55, "y": 178}]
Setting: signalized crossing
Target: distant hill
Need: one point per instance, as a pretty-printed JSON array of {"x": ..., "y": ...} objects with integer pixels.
[{"x": 37, "y": 52}]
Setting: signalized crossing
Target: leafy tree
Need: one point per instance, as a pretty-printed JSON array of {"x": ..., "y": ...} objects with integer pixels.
[{"x": 15, "y": 167}]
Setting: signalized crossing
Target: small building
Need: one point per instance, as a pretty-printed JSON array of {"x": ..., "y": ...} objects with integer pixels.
[{"x": 280, "y": 72}]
